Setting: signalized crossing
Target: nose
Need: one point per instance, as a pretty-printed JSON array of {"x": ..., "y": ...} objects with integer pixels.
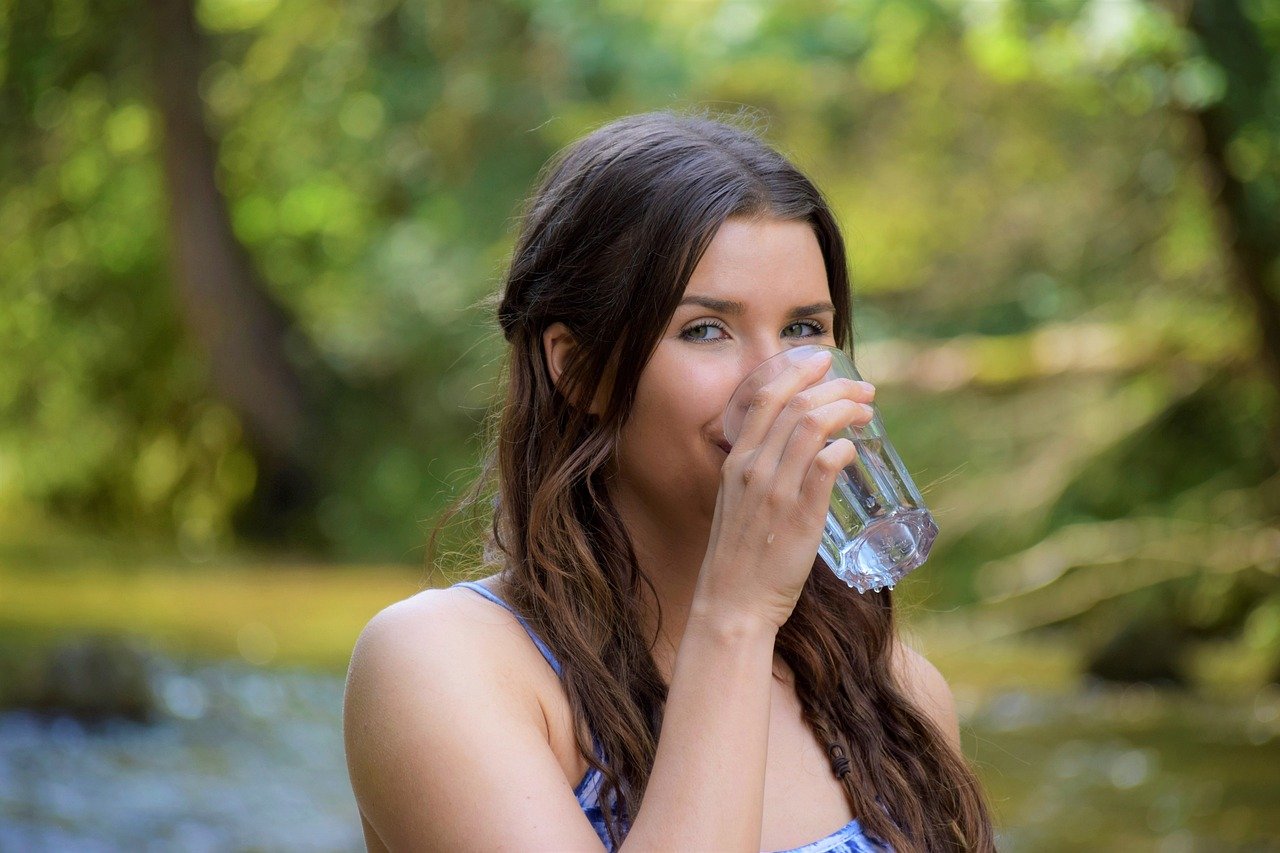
[
  {"x": 751, "y": 358},
  {"x": 756, "y": 355}
]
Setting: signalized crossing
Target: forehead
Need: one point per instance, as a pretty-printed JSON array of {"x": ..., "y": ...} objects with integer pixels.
[{"x": 756, "y": 260}]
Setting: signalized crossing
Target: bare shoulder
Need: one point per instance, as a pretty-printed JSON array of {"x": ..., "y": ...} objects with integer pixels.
[
  {"x": 440, "y": 717},
  {"x": 438, "y": 640},
  {"x": 927, "y": 687},
  {"x": 446, "y": 633}
]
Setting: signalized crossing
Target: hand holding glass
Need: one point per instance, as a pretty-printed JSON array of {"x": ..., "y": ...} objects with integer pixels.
[{"x": 878, "y": 528}]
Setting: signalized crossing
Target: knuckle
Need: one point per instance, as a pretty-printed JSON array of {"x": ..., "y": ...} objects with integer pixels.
[
  {"x": 802, "y": 403},
  {"x": 812, "y": 422}
]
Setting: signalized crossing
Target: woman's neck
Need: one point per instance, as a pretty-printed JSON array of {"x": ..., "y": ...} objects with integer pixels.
[{"x": 670, "y": 552}]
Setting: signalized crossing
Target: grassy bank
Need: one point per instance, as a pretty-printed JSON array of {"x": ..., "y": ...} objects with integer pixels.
[{"x": 293, "y": 614}]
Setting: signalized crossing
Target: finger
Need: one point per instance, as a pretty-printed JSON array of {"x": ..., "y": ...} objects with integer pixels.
[
  {"x": 820, "y": 479},
  {"x": 804, "y": 404},
  {"x": 773, "y": 396},
  {"x": 811, "y": 435},
  {"x": 824, "y": 392}
]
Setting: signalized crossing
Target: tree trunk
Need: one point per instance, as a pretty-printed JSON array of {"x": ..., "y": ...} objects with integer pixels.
[
  {"x": 228, "y": 313},
  {"x": 1248, "y": 220},
  {"x": 1250, "y": 227}
]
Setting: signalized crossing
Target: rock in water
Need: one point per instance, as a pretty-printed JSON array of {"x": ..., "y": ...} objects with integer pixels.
[
  {"x": 92, "y": 677},
  {"x": 1142, "y": 650}
]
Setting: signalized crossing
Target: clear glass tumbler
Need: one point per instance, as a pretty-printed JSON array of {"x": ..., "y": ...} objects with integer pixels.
[{"x": 878, "y": 528}]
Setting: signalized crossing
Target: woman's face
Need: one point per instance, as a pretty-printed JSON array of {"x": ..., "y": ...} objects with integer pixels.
[{"x": 760, "y": 288}]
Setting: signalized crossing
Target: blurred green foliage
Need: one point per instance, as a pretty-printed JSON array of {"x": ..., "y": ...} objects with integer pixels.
[
  {"x": 1068, "y": 356},
  {"x": 1041, "y": 286}
]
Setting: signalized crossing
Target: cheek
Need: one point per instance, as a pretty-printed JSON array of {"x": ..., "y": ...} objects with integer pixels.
[
  {"x": 665, "y": 452},
  {"x": 683, "y": 399}
]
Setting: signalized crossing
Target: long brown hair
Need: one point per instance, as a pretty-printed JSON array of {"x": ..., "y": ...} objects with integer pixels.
[{"x": 606, "y": 245}]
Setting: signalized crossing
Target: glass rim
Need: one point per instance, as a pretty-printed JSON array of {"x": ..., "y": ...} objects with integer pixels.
[{"x": 802, "y": 351}]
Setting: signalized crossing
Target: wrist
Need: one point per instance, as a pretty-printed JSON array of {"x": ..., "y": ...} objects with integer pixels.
[{"x": 730, "y": 624}]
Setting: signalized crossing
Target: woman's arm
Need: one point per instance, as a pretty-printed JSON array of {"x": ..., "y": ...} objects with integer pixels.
[
  {"x": 706, "y": 790},
  {"x": 445, "y": 755},
  {"x": 446, "y": 747}
]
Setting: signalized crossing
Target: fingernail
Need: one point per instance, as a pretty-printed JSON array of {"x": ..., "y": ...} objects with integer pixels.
[
  {"x": 817, "y": 356},
  {"x": 867, "y": 386}
]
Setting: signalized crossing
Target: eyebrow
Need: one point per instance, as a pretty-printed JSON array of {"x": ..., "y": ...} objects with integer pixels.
[{"x": 729, "y": 306}]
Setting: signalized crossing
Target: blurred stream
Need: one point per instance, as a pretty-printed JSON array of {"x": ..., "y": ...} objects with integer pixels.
[
  {"x": 244, "y": 759},
  {"x": 251, "y": 759}
]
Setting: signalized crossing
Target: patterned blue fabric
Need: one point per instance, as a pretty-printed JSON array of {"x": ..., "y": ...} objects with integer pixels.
[{"x": 849, "y": 838}]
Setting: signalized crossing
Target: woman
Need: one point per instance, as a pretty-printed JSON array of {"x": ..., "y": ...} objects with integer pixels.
[{"x": 661, "y": 662}]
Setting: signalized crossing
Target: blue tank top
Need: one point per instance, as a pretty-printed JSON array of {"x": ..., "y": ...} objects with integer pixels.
[{"x": 849, "y": 838}]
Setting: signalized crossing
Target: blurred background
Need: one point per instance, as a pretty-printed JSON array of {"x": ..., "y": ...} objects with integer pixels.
[{"x": 243, "y": 369}]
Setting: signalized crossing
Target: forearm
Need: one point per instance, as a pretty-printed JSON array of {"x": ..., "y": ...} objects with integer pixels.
[{"x": 706, "y": 789}]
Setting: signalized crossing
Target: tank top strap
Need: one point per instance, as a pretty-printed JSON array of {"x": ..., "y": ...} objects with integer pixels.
[
  {"x": 537, "y": 641},
  {"x": 584, "y": 787}
]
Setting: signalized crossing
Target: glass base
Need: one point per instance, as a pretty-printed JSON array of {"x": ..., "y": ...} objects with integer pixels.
[{"x": 885, "y": 550}]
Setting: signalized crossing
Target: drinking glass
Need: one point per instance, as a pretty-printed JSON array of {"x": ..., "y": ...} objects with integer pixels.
[{"x": 878, "y": 528}]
